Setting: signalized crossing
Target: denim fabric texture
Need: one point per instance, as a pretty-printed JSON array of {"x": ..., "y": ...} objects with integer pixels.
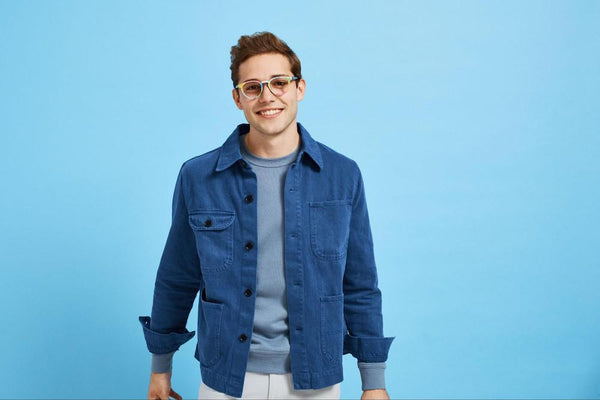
[{"x": 334, "y": 304}]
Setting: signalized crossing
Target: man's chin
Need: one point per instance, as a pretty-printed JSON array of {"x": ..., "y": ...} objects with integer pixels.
[{"x": 269, "y": 129}]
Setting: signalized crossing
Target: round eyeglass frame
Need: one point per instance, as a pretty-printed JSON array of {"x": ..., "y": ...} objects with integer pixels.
[{"x": 240, "y": 86}]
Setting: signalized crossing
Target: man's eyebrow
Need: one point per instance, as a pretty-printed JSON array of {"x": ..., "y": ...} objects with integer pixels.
[{"x": 272, "y": 76}]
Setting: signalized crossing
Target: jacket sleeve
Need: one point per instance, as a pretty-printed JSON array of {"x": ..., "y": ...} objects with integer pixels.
[
  {"x": 177, "y": 282},
  {"x": 362, "y": 298}
]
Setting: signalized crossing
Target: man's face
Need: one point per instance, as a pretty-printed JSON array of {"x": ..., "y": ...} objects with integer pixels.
[{"x": 281, "y": 111}]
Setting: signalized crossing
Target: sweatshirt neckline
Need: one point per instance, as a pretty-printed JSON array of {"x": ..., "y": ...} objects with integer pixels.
[{"x": 267, "y": 162}]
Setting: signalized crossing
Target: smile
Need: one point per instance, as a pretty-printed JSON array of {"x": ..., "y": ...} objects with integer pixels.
[{"x": 270, "y": 113}]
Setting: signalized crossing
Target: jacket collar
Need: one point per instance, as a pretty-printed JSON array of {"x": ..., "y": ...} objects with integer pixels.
[{"x": 230, "y": 151}]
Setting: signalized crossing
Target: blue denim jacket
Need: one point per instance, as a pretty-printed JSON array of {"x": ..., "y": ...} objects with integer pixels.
[{"x": 334, "y": 304}]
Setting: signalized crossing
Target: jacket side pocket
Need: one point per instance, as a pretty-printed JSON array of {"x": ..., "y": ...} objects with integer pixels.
[
  {"x": 332, "y": 328},
  {"x": 209, "y": 332}
]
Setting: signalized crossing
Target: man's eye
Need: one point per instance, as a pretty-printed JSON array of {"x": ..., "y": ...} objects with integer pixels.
[
  {"x": 279, "y": 82},
  {"x": 252, "y": 87}
]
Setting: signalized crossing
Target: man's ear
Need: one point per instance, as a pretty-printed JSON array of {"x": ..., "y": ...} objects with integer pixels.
[
  {"x": 300, "y": 89},
  {"x": 236, "y": 98}
]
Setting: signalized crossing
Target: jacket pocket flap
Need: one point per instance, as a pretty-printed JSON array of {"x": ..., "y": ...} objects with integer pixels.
[{"x": 213, "y": 220}]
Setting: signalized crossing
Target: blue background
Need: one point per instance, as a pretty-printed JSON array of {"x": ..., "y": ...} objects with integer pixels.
[{"x": 475, "y": 124}]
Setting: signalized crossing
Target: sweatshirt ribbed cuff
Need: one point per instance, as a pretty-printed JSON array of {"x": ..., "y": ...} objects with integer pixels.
[
  {"x": 372, "y": 375},
  {"x": 162, "y": 363}
]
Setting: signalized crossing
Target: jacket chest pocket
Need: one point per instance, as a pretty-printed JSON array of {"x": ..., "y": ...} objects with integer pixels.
[
  {"x": 213, "y": 231},
  {"x": 330, "y": 228}
]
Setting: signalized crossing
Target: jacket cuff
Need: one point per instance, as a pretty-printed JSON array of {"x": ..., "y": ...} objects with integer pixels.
[
  {"x": 162, "y": 343},
  {"x": 368, "y": 349},
  {"x": 162, "y": 363},
  {"x": 372, "y": 375}
]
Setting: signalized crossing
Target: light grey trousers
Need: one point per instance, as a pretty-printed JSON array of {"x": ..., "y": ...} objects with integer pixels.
[{"x": 271, "y": 386}]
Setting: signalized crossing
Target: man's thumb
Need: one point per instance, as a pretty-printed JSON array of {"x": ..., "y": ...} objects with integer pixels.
[{"x": 175, "y": 395}]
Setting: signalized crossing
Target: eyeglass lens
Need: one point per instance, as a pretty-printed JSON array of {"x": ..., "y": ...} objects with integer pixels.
[{"x": 278, "y": 87}]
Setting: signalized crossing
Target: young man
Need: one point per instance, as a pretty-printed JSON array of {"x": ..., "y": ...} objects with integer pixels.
[{"x": 272, "y": 229}]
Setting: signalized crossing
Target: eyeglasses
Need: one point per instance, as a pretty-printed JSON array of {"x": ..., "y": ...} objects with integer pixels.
[{"x": 278, "y": 85}]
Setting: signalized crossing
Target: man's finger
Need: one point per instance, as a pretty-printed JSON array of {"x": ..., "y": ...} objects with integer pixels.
[
  {"x": 158, "y": 396},
  {"x": 175, "y": 395}
]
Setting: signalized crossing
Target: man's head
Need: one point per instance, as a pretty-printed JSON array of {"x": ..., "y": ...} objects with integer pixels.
[
  {"x": 261, "y": 43},
  {"x": 267, "y": 84}
]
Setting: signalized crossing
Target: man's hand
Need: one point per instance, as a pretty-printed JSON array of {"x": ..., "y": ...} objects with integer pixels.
[
  {"x": 375, "y": 394},
  {"x": 160, "y": 387}
]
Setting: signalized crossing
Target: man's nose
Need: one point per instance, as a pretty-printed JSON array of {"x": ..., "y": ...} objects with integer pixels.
[{"x": 266, "y": 95}]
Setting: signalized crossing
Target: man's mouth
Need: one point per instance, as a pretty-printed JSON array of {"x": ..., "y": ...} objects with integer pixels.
[{"x": 270, "y": 112}]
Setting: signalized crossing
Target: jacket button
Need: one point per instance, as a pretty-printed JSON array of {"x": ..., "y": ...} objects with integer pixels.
[
  {"x": 248, "y": 293},
  {"x": 242, "y": 338},
  {"x": 208, "y": 223},
  {"x": 249, "y": 198},
  {"x": 249, "y": 246}
]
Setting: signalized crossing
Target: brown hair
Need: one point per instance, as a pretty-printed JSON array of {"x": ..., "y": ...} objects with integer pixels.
[{"x": 261, "y": 43}]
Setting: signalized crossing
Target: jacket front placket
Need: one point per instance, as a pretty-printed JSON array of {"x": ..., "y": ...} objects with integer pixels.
[
  {"x": 294, "y": 273},
  {"x": 248, "y": 222}
]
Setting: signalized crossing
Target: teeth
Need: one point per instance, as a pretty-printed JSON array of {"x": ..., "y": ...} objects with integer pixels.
[{"x": 270, "y": 112}]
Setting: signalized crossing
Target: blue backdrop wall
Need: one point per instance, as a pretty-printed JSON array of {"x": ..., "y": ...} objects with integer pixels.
[{"x": 475, "y": 124}]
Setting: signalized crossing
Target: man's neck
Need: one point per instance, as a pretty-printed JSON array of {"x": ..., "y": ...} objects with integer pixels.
[{"x": 266, "y": 146}]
